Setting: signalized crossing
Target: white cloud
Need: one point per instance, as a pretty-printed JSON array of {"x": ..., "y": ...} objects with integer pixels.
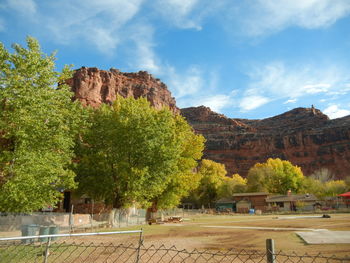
[
  {"x": 263, "y": 17},
  {"x": 195, "y": 87},
  {"x": 24, "y": 7},
  {"x": 290, "y": 101},
  {"x": 252, "y": 102},
  {"x": 190, "y": 14},
  {"x": 316, "y": 88},
  {"x": 215, "y": 103},
  {"x": 102, "y": 23},
  {"x": 253, "y": 17},
  {"x": 186, "y": 83},
  {"x": 104, "y": 40},
  {"x": 144, "y": 56},
  {"x": 345, "y": 89},
  {"x": 180, "y": 7},
  {"x": 178, "y": 12},
  {"x": 278, "y": 81},
  {"x": 333, "y": 112}
]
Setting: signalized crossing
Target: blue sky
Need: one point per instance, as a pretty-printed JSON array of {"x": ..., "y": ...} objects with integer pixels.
[{"x": 243, "y": 58}]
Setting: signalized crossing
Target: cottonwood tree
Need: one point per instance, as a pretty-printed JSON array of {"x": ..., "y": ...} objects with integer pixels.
[
  {"x": 313, "y": 186},
  {"x": 186, "y": 178},
  {"x": 335, "y": 187},
  {"x": 324, "y": 189},
  {"x": 135, "y": 153},
  {"x": 231, "y": 185},
  {"x": 38, "y": 125},
  {"x": 213, "y": 176},
  {"x": 275, "y": 176}
]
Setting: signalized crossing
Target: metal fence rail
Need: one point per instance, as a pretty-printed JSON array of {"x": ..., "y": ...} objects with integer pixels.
[
  {"x": 34, "y": 249},
  {"x": 82, "y": 252},
  {"x": 69, "y": 251}
]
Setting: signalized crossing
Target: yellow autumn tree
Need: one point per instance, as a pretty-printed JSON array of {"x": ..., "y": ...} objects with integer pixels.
[
  {"x": 213, "y": 176},
  {"x": 275, "y": 176},
  {"x": 231, "y": 185}
]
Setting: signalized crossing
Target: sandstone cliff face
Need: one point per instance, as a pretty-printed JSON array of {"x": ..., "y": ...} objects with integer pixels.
[
  {"x": 304, "y": 136},
  {"x": 93, "y": 87}
]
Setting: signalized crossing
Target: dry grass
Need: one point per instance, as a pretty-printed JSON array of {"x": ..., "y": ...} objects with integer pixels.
[{"x": 193, "y": 234}]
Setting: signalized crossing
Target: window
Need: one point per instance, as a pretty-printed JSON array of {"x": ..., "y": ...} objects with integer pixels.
[{"x": 280, "y": 204}]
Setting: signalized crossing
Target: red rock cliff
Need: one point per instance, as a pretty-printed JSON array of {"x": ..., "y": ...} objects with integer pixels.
[
  {"x": 93, "y": 87},
  {"x": 304, "y": 136}
]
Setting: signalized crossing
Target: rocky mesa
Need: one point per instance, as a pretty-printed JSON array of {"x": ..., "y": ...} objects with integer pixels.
[
  {"x": 93, "y": 86},
  {"x": 304, "y": 136}
]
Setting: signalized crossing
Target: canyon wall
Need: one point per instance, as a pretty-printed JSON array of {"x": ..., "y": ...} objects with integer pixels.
[
  {"x": 304, "y": 136},
  {"x": 93, "y": 86}
]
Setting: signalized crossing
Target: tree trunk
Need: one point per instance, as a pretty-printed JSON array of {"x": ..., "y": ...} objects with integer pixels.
[{"x": 151, "y": 213}]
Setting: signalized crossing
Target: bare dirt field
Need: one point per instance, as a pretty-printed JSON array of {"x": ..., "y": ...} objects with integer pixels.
[{"x": 249, "y": 232}]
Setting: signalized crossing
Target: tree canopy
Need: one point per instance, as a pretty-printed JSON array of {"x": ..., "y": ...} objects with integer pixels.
[
  {"x": 275, "y": 176},
  {"x": 185, "y": 179},
  {"x": 231, "y": 185},
  {"x": 135, "y": 153},
  {"x": 213, "y": 176},
  {"x": 38, "y": 125}
]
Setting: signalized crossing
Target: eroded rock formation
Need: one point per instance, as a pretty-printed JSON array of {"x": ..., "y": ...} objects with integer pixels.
[
  {"x": 304, "y": 136},
  {"x": 93, "y": 87}
]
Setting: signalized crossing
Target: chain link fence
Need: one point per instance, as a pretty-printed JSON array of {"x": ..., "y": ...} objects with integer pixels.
[
  {"x": 11, "y": 224},
  {"x": 72, "y": 250}
]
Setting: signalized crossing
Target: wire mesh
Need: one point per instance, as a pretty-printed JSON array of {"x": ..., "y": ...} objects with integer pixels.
[{"x": 72, "y": 251}]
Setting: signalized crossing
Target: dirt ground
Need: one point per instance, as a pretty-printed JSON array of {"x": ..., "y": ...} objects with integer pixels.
[{"x": 194, "y": 233}]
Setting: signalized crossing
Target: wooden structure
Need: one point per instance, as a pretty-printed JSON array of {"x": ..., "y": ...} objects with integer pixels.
[
  {"x": 225, "y": 205},
  {"x": 291, "y": 202},
  {"x": 247, "y": 201}
]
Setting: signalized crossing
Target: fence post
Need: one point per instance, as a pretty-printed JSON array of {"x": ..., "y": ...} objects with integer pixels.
[
  {"x": 119, "y": 217},
  {"x": 270, "y": 251},
  {"x": 71, "y": 220},
  {"x": 46, "y": 255},
  {"x": 139, "y": 247}
]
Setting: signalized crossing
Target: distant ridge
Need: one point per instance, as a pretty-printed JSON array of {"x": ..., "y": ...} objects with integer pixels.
[{"x": 304, "y": 136}]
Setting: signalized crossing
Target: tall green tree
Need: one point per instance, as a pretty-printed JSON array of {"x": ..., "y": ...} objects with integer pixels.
[
  {"x": 256, "y": 179},
  {"x": 213, "y": 176},
  {"x": 38, "y": 125},
  {"x": 186, "y": 178},
  {"x": 275, "y": 176},
  {"x": 313, "y": 186},
  {"x": 135, "y": 153},
  {"x": 335, "y": 187},
  {"x": 231, "y": 185}
]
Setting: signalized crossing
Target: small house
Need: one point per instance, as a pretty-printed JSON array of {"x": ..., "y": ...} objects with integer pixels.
[
  {"x": 225, "y": 205},
  {"x": 291, "y": 202},
  {"x": 247, "y": 201}
]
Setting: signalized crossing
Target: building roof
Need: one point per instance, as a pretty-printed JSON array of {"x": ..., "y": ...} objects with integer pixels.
[
  {"x": 288, "y": 198},
  {"x": 225, "y": 201},
  {"x": 250, "y": 194}
]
